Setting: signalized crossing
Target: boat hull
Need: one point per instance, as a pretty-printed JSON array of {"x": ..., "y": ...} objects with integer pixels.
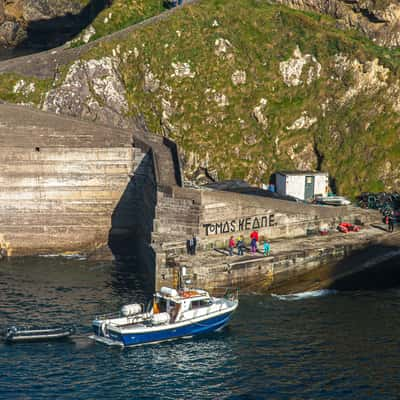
[{"x": 171, "y": 332}]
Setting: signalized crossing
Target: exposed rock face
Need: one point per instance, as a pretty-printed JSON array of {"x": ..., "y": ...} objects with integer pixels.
[
  {"x": 259, "y": 115},
  {"x": 92, "y": 90},
  {"x": 378, "y": 20},
  {"x": 20, "y": 17},
  {"x": 303, "y": 122},
  {"x": 239, "y": 77},
  {"x": 368, "y": 77},
  {"x": 182, "y": 70},
  {"x": 292, "y": 69}
]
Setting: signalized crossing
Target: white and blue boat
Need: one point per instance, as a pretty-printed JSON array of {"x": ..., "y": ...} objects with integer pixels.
[{"x": 173, "y": 314}]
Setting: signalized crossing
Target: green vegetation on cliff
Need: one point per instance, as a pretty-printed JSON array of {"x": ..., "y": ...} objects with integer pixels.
[
  {"x": 120, "y": 15},
  {"x": 247, "y": 88}
]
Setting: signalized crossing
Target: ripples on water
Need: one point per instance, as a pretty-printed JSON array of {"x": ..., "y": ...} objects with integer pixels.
[{"x": 324, "y": 345}]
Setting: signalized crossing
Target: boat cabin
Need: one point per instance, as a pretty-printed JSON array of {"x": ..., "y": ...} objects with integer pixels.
[{"x": 183, "y": 304}]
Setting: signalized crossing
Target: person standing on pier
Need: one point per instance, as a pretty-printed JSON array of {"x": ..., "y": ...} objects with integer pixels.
[
  {"x": 240, "y": 245},
  {"x": 267, "y": 248},
  {"x": 253, "y": 245},
  {"x": 391, "y": 223},
  {"x": 253, "y": 242},
  {"x": 194, "y": 244},
  {"x": 231, "y": 245}
]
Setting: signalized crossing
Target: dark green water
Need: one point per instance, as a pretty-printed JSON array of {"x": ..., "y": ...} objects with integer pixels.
[{"x": 323, "y": 345}]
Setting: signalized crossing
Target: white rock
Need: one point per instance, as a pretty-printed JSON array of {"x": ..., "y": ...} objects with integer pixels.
[
  {"x": 258, "y": 113},
  {"x": 292, "y": 69},
  {"x": 221, "y": 99},
  {"x": 182, "y": 70},
  {"x": 91, "y": 89},
  {"x": 222, "y": 46},
  {"x": 88, "y": 33},
  {"x": 24, "y": 88},
  {"x": 151, "y": 83},
  {"x": 238, "y": 77},
  {"x": 304, "y": 122},
  {"x": 368, "y": 77}
]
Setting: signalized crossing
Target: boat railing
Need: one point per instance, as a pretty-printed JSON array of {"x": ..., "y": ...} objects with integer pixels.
[{"x": 229, "y": 293}]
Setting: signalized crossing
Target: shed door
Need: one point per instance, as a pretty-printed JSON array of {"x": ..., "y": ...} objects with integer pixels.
[{"x": 309, "y": 188}]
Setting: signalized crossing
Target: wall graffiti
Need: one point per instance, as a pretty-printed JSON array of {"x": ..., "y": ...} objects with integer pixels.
[{"x": 240, "y": 224}]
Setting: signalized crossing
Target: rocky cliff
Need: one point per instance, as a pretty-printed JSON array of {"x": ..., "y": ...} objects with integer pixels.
[
  {"x": 44, "y": 23},
  {"x": 244, "y": 87},
  {"x": 377, "y": 19}
]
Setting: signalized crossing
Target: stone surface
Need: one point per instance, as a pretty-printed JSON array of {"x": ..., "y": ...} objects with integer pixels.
[
  {"x": 303, "y": 122},
  {"x": 20, "y": 17},
  {"x": 93, "y": 90},
  {"x": 61, "y": 180},
  {"x": 239, "y": 77},
  {"x": 292, "y": 69},
  {"x": 378, "y": 20},
  {"x": 259, "y": 113}
]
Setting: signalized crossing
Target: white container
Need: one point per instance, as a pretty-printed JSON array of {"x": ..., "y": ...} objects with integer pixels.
[
  {"x": 168, "y": 291},
  {"x": 161, "y": 318},
  {"x": 131, "y": 309}
]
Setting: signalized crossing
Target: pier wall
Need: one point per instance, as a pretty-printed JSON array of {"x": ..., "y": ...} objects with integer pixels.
[
  {"x": 60, "y": 181},
  {"x": 296, "y": 265}
]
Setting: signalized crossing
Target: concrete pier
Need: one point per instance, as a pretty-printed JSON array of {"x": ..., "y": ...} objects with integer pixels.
[{"x": 71, "y": 185}]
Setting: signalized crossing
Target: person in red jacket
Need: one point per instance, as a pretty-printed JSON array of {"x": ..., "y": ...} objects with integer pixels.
[
  {"x": 254, "y": 235},
  {"x": 231, "y": 245}
]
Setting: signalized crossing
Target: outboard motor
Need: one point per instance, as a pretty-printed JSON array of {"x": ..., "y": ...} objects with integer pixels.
[{"x": 131, "y": 309}]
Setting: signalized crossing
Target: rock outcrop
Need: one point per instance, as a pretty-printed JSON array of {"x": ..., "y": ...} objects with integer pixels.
[
  {"x": 379, "y": 20},
  {"x": 44, "y": 23}
]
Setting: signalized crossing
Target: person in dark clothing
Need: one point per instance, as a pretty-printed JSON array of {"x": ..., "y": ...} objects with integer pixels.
[
  {"x": 240, "y": 245},
  {"x": 391, "y": 223},
  {"x": 194, "y": 244},
  {"x": 188, "y": 248}
]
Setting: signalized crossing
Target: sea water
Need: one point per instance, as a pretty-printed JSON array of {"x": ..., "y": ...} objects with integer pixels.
[{"x": 312, "y": 345}]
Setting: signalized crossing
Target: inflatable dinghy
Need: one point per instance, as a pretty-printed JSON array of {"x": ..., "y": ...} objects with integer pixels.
[{"x": 14, "y": 334}]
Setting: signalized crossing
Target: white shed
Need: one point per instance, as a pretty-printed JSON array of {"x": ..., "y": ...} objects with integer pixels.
[{"x": 303, "y": 185}]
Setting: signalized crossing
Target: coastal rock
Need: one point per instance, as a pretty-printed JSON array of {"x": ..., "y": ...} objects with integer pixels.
[
  {"x": 26, "y": 88},
  {"x": 222, "y": 47},
  {"x": 21, "y": 20},
  {"x": 258, "y": 113},
  {"x": 91, "y": 89},
  {"x": 182, "y": 70},
  {"x": 303, "y": 159},
  {"x": 292, "y": 69},
  {"x": 88, "y": 33},
  {"x": 238, "y": 77},
  {"x": 368, "y": 77},
  {"x": 38, "y": 10},
  {"x": 221, "y": 99},
  {"x": 167, "y": 112},
  {"x": 304, "y": 122},
  {"x": 10, "y": 33},
  {"x": 377, "y": 20},
  {"x": 151, "y": 83}
]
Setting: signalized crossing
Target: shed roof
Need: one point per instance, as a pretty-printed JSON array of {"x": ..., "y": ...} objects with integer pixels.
[{"x": 301, "y": 173}]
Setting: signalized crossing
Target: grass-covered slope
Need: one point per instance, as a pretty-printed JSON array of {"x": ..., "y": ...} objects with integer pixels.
[
  {"x": 247, "y": 88},
  {"x": 119, "y": 15}
]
